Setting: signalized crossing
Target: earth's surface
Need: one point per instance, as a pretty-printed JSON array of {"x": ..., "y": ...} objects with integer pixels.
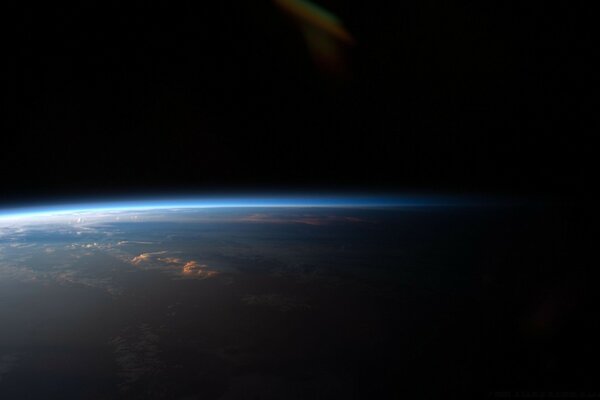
[{"x": 271, "y": 303}]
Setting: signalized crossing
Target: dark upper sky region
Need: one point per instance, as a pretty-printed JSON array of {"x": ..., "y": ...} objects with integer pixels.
[{"x": 107, "y": 97}]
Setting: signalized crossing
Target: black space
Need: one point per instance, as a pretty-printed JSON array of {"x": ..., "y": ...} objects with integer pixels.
[{"x": 109, "y": 97}]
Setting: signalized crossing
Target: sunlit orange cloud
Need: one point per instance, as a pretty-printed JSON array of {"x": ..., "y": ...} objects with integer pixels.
[
  {"x": 193, "y": 268},
  {"x": 145, "y": 257},
  {"x": 324, "y": 33},
  {"x": 142, "y": 257},
  {"x": 171, "y": 260}
]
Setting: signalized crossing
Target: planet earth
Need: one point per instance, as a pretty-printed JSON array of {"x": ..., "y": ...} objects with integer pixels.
[{"x": 280, "y": 301}]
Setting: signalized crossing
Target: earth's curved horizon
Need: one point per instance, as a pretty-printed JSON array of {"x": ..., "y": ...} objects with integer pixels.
[{"x": 326, "y": 200}]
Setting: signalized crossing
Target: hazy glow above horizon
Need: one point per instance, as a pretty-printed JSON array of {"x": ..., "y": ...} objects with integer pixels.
[{"x": 110, "y": 207}]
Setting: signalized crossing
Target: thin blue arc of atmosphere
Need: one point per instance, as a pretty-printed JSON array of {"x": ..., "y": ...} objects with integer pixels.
[{"x": 235, "y": 202}]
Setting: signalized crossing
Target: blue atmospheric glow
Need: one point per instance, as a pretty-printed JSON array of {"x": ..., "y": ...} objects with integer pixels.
[{"x": 360, "y": 201}]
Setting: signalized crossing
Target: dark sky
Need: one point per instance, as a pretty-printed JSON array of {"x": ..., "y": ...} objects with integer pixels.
[{"x": 107, "y": 98}]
